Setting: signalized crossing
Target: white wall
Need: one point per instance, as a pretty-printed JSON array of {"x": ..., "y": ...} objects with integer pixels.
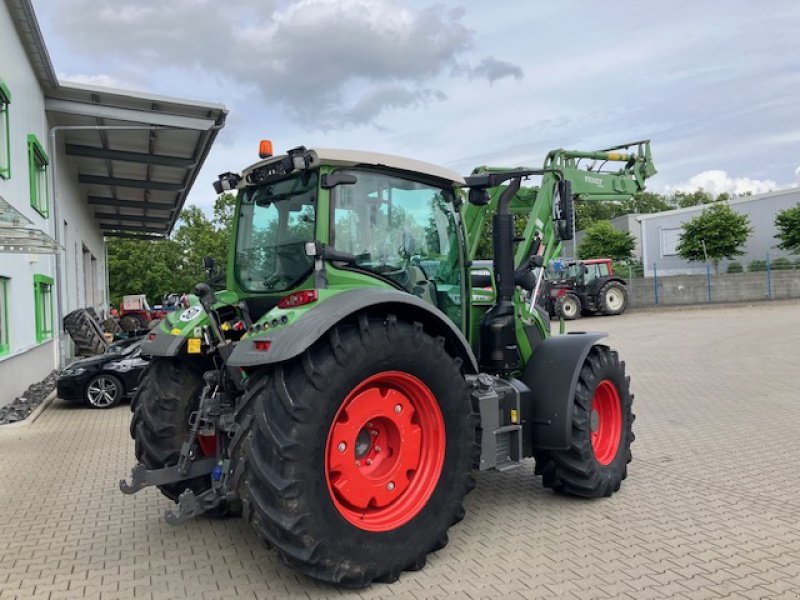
[{"x": 18, "y": 369}]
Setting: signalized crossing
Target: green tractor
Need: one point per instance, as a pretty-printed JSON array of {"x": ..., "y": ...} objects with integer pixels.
[{"x": 342, "y": 389}]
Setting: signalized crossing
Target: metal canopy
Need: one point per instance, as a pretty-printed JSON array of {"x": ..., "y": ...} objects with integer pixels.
[
  {"x": 18, "y": 236},
  {"x": 135, "y": 155},
  {"x": 11, "y": 217},
  {"x": 21, "y": 240}
]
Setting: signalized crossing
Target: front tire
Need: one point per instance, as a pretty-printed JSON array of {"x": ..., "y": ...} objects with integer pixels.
[
  {"x": 597, "y": 460},
  {"x": 346, "y": 486},
  {"x": 103, "y": 391},
  {"x": 613, "y": 298}
]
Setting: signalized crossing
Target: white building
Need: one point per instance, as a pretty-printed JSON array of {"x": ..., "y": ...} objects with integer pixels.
[
  {"x": 657, "y": 234},
  {"x": 77, "y": 164}
]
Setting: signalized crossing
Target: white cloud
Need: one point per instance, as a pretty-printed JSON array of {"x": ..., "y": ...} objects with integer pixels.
[
  {"x": 716, "y": 182},
  {"x": 329, "y": 62}
]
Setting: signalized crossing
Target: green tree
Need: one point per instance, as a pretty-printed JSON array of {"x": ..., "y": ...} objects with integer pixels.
[
  {"x": 718, "y": 232},
  {"x": 603, "y": 241},
  {"x": 157, "y": 267},
  {"x": 143, "y": 267},
  {"x": 645, "y": 203},
  {"x": 695, "y": 198},
  {"x": 788, "y": 224}
]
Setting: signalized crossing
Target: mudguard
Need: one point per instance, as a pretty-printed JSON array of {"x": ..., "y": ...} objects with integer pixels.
[
  {"x": 290, "y": 341},
  {"x": 552, "y": 375},
  {"x": 169, "y": 336}
]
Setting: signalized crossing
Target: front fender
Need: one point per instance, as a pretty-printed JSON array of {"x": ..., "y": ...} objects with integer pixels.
[
  {"x": 168, "y": 337},
  {"x": 552, "y": 375},
  {"x": 290, "y": 341}
]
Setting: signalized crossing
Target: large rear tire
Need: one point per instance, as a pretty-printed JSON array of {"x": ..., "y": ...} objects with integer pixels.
[
  {"x": 597, "y": 460},
  {"x": 613, "y": 298},
  {"x": 85, "y": 333},
  {"x": 354, "y": 458},
  {"x": 169, "y": 391}
]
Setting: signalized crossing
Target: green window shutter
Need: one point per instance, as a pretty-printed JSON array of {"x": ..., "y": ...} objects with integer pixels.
[
  {"x": 43, "y": 303},
  {"x": 5, "y": 133},
  {"x": 5, "y": 337},
  {"x": 37, "y": 169}
]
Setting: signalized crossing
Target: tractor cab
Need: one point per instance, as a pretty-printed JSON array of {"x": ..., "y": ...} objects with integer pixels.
[{"x": 333, "y": 219}]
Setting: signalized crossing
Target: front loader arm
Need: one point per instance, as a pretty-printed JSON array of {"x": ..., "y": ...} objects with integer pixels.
[{"x": 590, "y": 181}]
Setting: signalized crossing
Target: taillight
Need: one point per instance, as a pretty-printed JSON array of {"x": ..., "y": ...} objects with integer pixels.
[
  {"x": 262, "y": 345},
  {"x": 300, "y": 298}
]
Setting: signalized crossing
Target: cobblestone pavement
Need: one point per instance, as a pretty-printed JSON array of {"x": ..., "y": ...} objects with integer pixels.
[{"x": 711, "y": 508}]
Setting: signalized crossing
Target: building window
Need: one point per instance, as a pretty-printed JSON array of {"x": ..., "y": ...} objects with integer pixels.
[
  {"x": 43, "y": 299},
  {"x": 4, "y": 338},
  {"x": 5, "y": 135},
  {"x": 37, "y": 165},
  {"x": 670, "y": 238}
]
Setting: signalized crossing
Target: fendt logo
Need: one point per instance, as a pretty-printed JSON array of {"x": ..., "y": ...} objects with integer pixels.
[{"x": 594, "y": 180}]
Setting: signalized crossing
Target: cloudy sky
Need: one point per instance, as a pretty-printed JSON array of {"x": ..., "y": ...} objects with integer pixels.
[{"x": 714, "y": 84}]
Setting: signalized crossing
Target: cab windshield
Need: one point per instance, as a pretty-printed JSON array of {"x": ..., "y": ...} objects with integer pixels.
[{"x": 276, "y": 219}]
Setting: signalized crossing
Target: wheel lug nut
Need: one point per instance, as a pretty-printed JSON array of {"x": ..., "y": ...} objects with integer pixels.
[
  {"x": 377, "y": 448},
  {"x": 342, "y": 446},
  {"x": 398, "y": 409},
  {"x": 390, "y": 486},
  {"x": 373, "y": 432},
  {"x": 369, "y": 461}
]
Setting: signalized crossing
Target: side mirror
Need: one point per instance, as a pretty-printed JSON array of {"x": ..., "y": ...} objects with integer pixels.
[
  {"x": 478, "y": 196},
  {"x": 226, "y": 182},
  {"x": 209, "y": 263},
  {"x": 331, "y": 180},
  {"x": 564, "y": 209},
  {"x": 538, "y": 260}
]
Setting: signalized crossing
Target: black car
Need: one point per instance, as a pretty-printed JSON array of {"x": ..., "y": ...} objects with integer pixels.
[{"x": 102, "y": 381}]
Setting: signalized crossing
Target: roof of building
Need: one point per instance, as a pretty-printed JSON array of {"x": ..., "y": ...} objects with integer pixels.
[
  {"x": 732, "y": 202},
  {"x": 137, "y": 155}
]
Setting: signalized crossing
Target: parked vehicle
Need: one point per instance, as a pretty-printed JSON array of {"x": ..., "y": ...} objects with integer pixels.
[
  {"x": 341, "y": 390},
  {"x": 136, "y": 315},
  {"x": 584, "y": 287},
  {"x": 103, "y": 381}
]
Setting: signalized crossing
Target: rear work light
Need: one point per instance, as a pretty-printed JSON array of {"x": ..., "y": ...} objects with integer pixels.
[{"x": 300, "y": 298}]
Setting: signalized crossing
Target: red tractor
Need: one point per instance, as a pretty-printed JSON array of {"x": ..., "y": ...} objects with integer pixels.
[
  {"x": 136, "y": 315},
  {"x": 584, "y": 286}
]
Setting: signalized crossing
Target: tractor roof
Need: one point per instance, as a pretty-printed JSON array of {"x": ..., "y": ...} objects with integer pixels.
[{"x": 352, "y": 158}]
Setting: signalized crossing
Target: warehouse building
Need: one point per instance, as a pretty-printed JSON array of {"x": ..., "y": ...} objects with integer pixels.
[
  {"x": 78, "y": 164},
  {"x": 657, "y": 234}
]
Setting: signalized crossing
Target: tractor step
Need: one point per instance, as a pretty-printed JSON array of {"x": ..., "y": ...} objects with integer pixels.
[{"x": 498, "y": 405}]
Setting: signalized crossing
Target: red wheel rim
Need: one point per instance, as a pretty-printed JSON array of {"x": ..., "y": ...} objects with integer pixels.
[
  {"x": 606, "y": 422},
  {"x": 385, "y": 451}
]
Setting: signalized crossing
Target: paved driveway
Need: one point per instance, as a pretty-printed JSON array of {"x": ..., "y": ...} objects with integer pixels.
[{"x": 711, "y": 508}]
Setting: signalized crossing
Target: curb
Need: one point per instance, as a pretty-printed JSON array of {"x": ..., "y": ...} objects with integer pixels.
[{"x": 37, "y": 412}]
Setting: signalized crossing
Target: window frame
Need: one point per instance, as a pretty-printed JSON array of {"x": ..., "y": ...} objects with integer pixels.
[
  {"x": 38, "y": 163},
  {"x": 42, "y": 332},
  {"x": 5, "y": 345},
  {"x": 5, "y": 130}
]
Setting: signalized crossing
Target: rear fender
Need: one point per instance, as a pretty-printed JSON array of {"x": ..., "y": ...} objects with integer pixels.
[
  {"x": 552, "y": 375},
  {"x": 290, "y": 341}
]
